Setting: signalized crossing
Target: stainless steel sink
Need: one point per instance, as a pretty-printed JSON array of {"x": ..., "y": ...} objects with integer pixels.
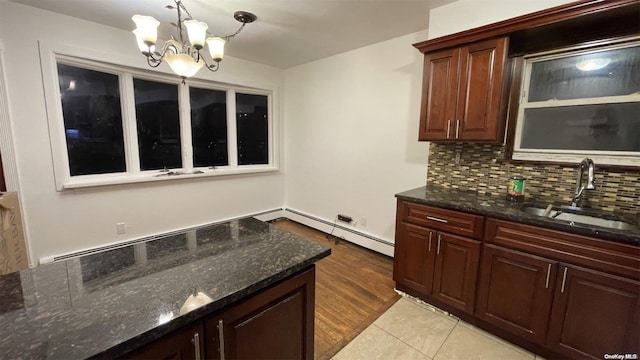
[{"x": 575, "y": 216}]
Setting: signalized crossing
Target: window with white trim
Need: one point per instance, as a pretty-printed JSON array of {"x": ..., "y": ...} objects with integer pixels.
[
  {"x": 581, "y": 103},
  {"x": 121, "y": 125}
]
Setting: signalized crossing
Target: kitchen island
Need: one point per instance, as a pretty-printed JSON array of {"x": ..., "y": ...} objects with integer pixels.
[{"x": 112, "y": 303}]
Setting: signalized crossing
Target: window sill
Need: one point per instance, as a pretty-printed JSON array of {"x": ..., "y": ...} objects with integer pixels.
[{"x": 94, "y": 181}]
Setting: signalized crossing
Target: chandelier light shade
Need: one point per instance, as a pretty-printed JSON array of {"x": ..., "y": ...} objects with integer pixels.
[
  {"x": 216, "y": 48},
  {"x": 183, "y": 55}
]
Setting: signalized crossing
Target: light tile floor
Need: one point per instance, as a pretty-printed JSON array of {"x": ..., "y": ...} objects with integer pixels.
[{"x": 409, "y": 330}]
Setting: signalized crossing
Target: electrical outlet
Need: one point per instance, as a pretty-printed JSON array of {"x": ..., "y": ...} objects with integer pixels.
[
  {"x": 345, "y": 218},
  {"x": 363, "y": 221},
  {"x": 121, "y": 228}
]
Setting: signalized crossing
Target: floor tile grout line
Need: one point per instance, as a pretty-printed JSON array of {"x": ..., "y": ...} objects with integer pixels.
[
  {"x": 404, "y": 342},
  {"x": 445, "y": 340},
  {"x": 431, "y": 309},
  {"x": 428, "y": 307}
]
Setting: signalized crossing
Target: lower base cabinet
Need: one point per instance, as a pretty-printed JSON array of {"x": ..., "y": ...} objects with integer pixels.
[
  {"x": 456, "y": 270},
  {"x": 515, "y": 291},
  {"x": 594, "y": 314},
  {"x": 437, "y": 264},
  {"x": 277, "y": 323},
  {"x": 555, "y": 293},
  {"x": 183, "y": 344}
]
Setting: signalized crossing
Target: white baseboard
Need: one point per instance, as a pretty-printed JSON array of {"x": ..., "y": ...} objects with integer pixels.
[
  {"x": 347, "y": 232},
  {"x": 270, "y": 215}
]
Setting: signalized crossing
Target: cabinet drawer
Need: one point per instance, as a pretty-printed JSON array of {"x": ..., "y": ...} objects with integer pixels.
[
  {"x": 453, "y": 222},
  {"x": 611, "y": 257}
]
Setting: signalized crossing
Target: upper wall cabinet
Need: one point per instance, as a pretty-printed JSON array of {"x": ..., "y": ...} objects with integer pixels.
[{"x": 463, "y": 93}]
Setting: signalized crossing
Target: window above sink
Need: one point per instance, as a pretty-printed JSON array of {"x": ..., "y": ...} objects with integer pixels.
[{"x": 581, "y": 102}]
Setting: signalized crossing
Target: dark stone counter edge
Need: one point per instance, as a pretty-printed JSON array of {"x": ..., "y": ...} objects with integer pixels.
[
  {"x": 596, "y": 232},
  {"x": 209, "y": 309}
]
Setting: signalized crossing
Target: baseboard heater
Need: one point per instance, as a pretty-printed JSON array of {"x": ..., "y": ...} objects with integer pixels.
[{"x": 338, "y": 226}]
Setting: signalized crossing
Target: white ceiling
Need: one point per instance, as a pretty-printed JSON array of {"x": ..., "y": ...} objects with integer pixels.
[{"x": 287, "y": 32}]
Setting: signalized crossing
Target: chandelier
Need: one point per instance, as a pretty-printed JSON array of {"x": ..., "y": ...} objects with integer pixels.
[{"x": 184, "y": 56}]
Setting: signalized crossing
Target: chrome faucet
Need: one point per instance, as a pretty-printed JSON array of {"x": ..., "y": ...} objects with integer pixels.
[{"x": 591, "y": 181}]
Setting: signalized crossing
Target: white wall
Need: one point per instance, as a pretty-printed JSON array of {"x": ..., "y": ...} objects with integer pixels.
[
  {"x": 468, "y": 14},
  {"x": 351, "y": 133},
  {"x": 60, "y": 222},
  {"x": 352, "y": 120}
]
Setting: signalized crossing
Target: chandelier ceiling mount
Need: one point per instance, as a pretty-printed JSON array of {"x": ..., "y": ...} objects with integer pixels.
[{"x": 182, "y": 53}]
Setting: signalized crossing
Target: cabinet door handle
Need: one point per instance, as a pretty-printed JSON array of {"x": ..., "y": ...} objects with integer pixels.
[
  {"x": 564, "y": 279},
  {"x": 437, "y": 219},
  {"x": 448, "y": 128},
  {"x": 430, "y": 236},
  {"x": 221, "y": 338},
  {"x": 457, "y": 127},
  {"x": 196, "y": 344},
  {"x": 439, "y": 238},
  {"x": 548, "y": 274}
]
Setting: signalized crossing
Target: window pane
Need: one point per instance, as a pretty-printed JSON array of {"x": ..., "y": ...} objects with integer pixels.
[
  {"x": 605, "y": 127},
  {"x": 253, "y": 129},
  {"x": 158, "y": 122},
  {"x": 606, "y": 73},
  {"x": 209, "y": 127},
  {"x": 92, "y": 120}
]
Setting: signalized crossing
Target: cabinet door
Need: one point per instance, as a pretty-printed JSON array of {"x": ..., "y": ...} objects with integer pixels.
[
  {"x": 187, "y": 343},
  {"x": 455, "y": 272},
  {"x": 594, "y": 314},
  {"x": 439, "y": 90},
  {"x": 515, "y": 291},
  {"x": 414, "y": 259},
  {"x": 479, "y": 115},
  {"x": 275, "y": 324}
]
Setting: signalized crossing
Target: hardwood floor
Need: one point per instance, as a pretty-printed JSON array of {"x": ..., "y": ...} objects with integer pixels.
[{"x": 354, "y": 286}]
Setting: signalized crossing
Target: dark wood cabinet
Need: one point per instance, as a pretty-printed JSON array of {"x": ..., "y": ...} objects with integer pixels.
[
  {"x": 515, "y": 291},
  {"x": 594, "y": 314},
  {"x": 276, "y": 323},
  {"x": 413, "y": 247},
  {"x": 555, "y": 293},
  {"x": 464, "y": 93},
  {"x": 437, "y": 264},
  {"x": 583, "y": 291},
  {"x": 183, "y": 344},
  {"x": 439, "y": 94},
  {"x": 455, "y": 272}
]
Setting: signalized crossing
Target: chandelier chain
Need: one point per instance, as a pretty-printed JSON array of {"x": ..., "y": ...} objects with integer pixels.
[{"x": 180, "y": 5}]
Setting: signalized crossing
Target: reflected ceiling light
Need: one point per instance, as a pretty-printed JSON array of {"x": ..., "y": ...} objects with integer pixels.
[
  {"x": 593, "y": 64},
  {"x": 194, "y": 301},
  {"x": 182, "y": 55},
  {"x": 165, "y": 317}
]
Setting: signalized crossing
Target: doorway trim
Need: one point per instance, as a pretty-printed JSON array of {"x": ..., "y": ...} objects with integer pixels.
[{"x": 6, "y": 135}]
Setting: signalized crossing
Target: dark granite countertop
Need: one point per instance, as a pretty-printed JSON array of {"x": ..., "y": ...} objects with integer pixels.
[
  {"x": 499, "y": 207},
  {"x": 106, "y": 304}
]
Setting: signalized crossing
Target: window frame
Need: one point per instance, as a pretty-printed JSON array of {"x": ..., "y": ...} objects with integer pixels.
[
  {"x": 621, "y": 158},
  {"x": 133, "y": 173}
]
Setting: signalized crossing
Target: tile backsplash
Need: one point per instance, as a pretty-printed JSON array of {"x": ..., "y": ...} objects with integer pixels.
[{"x": 481, "y": 167}]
